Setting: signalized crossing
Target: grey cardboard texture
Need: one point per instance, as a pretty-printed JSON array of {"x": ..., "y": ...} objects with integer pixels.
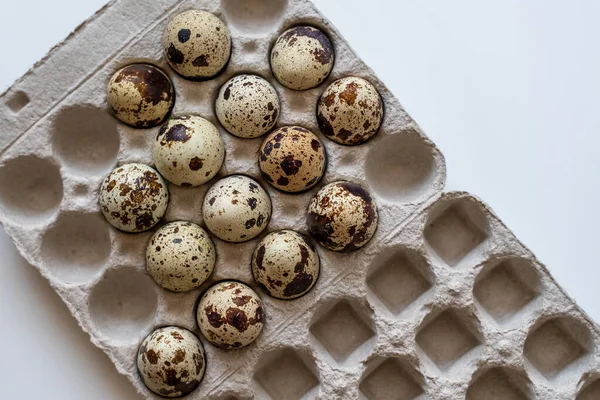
[{"x": 443, "y": 303}]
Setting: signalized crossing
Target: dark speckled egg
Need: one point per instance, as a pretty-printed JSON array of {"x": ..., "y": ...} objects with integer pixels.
[
  {"x": 350, "y": 111},
  {"x": 302, "y": 58},
  {"x": 141, "y": 95},
  {"x": 292, "y": 159},
  {"x": 247, "y": 106},
  {"x": 236, "y": 209},
  {"x": 133, "y": 197},
  {"x": 342, "y": 216},
  {"x": 230, "y": 315},
  {"x": 285, "y": 264},
  {"x": 180, "y": 256},
  {"x": 171, "y": 361},
  {"x": 197, "y": 45}
]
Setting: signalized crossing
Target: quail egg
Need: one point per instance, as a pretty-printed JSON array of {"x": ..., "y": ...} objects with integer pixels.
[
  {"x": 197, "y": 44},
  {"x": 171, "y": 361},
  {"x": 285, "y": 264},
  {"x": 188, "y": 151},
  {"x": 230, "y": 315},
  {"x": 247, "y": 106},
  {"x": 292, "y": 159},
  {"x": 180, "y": 256},
  {"x": 141, "y": 95},
  {"x": 302, "y": 58},
  {"x": 133, "y": 197},
  {"x": 236, "y": 209},
  {"x": 350, "y": 111},
  {"x": 342, "y": 216}
]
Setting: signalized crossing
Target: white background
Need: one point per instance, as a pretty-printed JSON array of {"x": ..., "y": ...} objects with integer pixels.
[{"x": 508, "y": 90}]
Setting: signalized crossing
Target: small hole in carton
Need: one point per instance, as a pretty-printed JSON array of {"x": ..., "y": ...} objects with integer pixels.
[
  {"x": 76, "y": 248},
  {"x": 456, "y": 230},
  {"x": 31, "y": 189},
  {"x": 557, "y": 344},
  {"x": 398, "y": 277},
  {"x": 401, "y": 167},
  {"x": 447, "y": 338},
  {"x": 17, "y": 101},
  {"x": 506, "y": 286},
  {"x": 123, "y": 304},
  {"x": 86, "y": 139},
  {"x": 498, "y": 384},
  {"x": 389, "y": 379},
  {"x": 344, "y": 331},
  {"x": 286, "y": 374},
  {"x": 591, "y": 391},
  {"x": 254, "y": 17}
]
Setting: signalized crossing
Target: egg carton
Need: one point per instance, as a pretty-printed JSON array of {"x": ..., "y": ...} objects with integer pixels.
[{"x": 443, "y": 303}]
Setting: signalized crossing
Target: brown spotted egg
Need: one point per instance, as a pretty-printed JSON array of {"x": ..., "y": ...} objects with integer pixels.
[
  {"x": 350, "y": 111},
  {"x": 141, "y": 95},
  {"x": 342, "y": 216},
  {"x": 171, "y": 361},
  {"x": 197, "y": 44},
  {"x": 188, "y": 151},
  {"x": 230, "y": 315},
  {"x": 180, "y": 256},
  {"x": 247, "y": 106},
  {"x": 133, "y": 197},
  {"x": 292, "y": 159},
  {"x": 285, "y": 264},
  {"x": 236, "y": 209},
  {"x": 302, "y": 58}
]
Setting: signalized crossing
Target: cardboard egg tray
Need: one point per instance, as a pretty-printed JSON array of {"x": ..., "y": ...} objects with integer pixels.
[{"x": 443, "y": 303}]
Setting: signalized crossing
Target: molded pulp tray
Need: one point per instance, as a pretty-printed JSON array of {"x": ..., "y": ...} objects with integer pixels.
[{"x": 443, "y": 303}]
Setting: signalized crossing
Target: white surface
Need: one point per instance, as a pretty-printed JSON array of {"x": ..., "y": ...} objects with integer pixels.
[{"x": 507, "y": 90}]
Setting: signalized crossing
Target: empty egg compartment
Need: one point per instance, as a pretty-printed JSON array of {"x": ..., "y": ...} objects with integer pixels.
[
  {"x": 31, "y": 181},
  {"x": 286, "y": 373},
  {"x": 390, "y": 376},
  {"x": 589, "y": 387},
  {"x": 508, "y": 289},
  {"x": 500, "y": 382},
  {"x": 559, "y": 350}
]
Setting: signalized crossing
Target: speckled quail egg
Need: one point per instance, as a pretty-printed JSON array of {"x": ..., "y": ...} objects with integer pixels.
[
  {"x": 350, "y": 111},
  {"x": 236, "y": 209},
  {"x": 342, "y": 216},
  {"x": 292, "y": 159},
  {"x": 197, "y": 44},
  {"x": 285, "y": 264},
  {"x": 140, "y": 95},
  {"x": 247, "y": 106},
  {"x": 230, "y": 315},
  {"x": 302, "y": 58},
  {"x": 188, "y": 151},
  {"x": 133, "y": 197},
  {"x": 180, "y": 256},
  {"x": 171, "y": 361}
]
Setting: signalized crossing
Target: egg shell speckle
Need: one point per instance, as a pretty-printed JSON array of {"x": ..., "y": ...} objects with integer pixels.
[
  {"x": 180, "y": 256},
  {"x": 141, "y": 95},
  {"x": 292, "y": 159},
  {"x": 197, "y": 44},
  {"x": 171, "y": 361},
  {"x": 188, "y": 151},
  {"x": 133, "y": 197},
  {"x": 302, "y": 58},
  {"x": 350, "y": 111},
  {"x": 230, "y": 315},
  {"x": 236, "y": 209},
  {"x": 285, "y": 264},
  {"x": 342, "y": 216},
  {"x": 247, "y": 106}
]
